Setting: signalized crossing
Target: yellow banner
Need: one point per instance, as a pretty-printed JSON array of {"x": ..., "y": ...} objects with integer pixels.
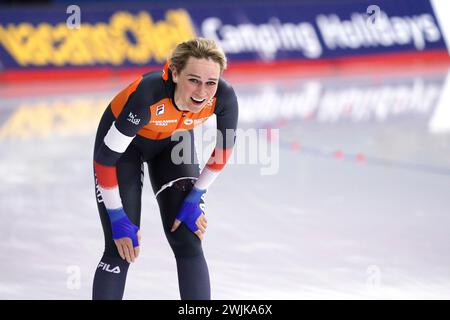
[{"x": 100, "y": 43}]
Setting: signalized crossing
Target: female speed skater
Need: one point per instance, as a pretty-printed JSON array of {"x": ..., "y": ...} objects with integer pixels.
[{"x": 139, "y": 126}]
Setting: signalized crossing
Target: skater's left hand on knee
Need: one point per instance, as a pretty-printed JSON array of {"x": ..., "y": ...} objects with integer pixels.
[{"x": 191, "y": 214}]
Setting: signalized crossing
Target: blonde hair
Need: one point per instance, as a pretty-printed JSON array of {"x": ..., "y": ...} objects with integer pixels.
[{"x": 199, "y": 48}]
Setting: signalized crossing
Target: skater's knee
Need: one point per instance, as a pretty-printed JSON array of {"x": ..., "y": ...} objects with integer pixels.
[{"x": 184, "y": 243}]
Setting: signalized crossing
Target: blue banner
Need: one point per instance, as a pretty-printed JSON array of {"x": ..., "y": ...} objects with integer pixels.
[{"x": 138, "y": 34}]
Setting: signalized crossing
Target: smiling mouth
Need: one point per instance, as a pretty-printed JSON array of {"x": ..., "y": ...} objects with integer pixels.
[{"x": 197, "y": 101}]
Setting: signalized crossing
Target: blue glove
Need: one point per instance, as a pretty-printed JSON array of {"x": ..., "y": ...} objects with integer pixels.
[
  {"x": 122, "y": 226},
  {"x": 190, "y": 210}
]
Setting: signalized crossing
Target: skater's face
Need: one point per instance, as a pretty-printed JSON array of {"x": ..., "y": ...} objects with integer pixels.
[{"x": 196, "y": 84}]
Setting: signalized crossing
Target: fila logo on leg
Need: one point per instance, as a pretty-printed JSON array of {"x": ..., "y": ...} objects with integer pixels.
[{"x": 107, "y": 267}]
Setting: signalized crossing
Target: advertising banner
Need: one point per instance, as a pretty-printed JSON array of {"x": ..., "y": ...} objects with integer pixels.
[{"x": 125, "y": 35}]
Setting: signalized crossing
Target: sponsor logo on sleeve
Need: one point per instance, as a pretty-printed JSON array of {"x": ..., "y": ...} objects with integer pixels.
[{"x": 133, "y": 119}]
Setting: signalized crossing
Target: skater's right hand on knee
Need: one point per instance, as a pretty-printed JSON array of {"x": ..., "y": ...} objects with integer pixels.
[
  {"x": 126, "y": 235},
  {"x": 126, "y": 249}
]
